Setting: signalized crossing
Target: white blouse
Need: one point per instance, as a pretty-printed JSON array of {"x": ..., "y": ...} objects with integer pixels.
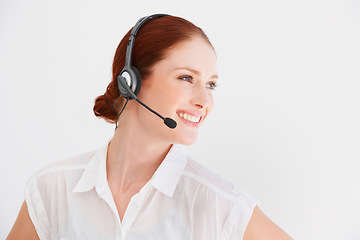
[{"x": 71, "y": 199}]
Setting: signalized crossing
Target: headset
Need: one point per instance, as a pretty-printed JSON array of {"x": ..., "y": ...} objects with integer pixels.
[
  {"x": 129, "y": 79},
  {"x": 129, "y": 72}
]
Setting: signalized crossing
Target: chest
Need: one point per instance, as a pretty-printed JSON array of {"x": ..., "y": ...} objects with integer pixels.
[
  {"x": 122, "y": 200},
  {"x": 153, "y": 215},
  {"x": 138, "y": 215}
]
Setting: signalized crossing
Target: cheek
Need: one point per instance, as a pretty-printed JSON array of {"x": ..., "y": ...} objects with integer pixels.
[
  {"x": 171, "y": 94},
  {"x": 162, "y": 97},
  {"x": 168, "y": 97}
]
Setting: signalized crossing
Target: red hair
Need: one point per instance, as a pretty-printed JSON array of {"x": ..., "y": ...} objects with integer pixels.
[{"x": 152, "y": 42}]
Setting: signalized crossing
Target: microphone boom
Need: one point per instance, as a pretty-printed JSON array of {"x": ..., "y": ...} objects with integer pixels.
[{"x": 169, "y": 122}]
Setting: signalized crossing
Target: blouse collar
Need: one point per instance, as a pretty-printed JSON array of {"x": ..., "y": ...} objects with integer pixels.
[{"x": 165, "y": 178}]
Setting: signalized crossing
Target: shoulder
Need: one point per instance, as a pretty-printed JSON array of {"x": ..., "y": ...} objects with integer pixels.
[
  {"x": 65, "y": 172},
  {"x": 204, "y": 176},
  {"x": 215, "y": 197},
  {"x": 201, "y": 175},
  {"x": 49, "y": 188},
  {"x": 76, "y": 162}
]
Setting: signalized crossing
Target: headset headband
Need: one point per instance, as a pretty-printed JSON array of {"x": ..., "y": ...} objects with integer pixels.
[{"x": 133, "y": 35}]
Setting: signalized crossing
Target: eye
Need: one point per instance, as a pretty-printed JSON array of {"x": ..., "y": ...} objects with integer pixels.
[
  {"x": 187, "y": 78},
  {"x": 211, "y": 85}
]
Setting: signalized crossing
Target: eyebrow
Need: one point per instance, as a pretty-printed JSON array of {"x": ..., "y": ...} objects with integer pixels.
[{"x": 196, "y": 72}]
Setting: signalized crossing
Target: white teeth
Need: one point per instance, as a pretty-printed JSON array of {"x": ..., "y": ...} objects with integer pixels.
[{"x": 189, "y": 118}]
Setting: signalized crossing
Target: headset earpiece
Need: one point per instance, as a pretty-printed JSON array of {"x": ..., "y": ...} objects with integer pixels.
[
  {"x": 124, "y": 88},
  {"x": 132, "y": 79}
]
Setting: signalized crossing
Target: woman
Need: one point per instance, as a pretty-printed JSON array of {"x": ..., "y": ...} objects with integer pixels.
[{"x": 141, "y": 185}]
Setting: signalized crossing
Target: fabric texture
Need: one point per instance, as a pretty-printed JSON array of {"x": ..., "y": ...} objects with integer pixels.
[{"x": 71, "y": 199}]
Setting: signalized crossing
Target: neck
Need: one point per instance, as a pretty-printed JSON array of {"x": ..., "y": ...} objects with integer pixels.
[{"x": 133, "y": 157}]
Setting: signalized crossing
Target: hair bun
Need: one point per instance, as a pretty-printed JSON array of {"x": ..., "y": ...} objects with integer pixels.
[{"x": 107, "y": 105}]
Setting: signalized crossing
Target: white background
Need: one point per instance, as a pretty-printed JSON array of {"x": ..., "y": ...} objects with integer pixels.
[{"x": 285, "y": 127}]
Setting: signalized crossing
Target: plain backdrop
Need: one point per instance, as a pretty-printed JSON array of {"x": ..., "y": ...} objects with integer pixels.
[{"x": 286, "y": 122}]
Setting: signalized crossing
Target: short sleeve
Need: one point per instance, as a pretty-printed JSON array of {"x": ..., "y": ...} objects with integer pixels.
[
  {"x": 36, "y": 208},
  {"x": 239, "y": 216}
]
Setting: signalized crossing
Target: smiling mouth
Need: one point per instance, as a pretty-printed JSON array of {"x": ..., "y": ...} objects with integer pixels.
[{"x": 189, "y": 118}]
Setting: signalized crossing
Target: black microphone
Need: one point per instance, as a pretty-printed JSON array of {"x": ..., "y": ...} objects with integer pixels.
[{"x": 171, "y": 123}]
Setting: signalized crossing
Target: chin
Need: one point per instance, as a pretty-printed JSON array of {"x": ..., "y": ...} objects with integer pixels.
[{"x": 187, "y": 140}]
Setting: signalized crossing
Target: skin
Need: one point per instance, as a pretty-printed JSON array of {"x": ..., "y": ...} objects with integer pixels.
[
  {"x": 180, "y": 83},
  {"x": 23, "y": 227}
]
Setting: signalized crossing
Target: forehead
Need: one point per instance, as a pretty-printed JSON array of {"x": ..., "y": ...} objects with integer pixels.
[{"x": 195, "y": 53}]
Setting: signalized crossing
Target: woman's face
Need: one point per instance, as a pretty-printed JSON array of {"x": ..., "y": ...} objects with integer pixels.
[{"x": 180, "y": 87}]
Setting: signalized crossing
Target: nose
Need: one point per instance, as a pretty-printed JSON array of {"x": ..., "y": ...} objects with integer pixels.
[{"x": 201, "y": 97}]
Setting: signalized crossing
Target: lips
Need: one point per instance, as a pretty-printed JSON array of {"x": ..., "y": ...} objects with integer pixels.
[{"x": 189, "y": 117}]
